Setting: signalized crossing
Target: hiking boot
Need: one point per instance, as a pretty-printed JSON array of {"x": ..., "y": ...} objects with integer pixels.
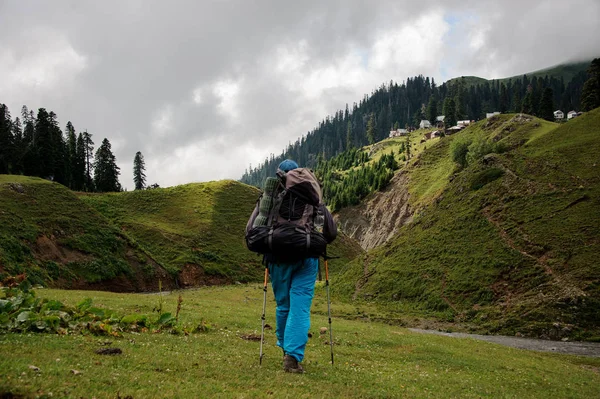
[{"x": 291, "y": 365}]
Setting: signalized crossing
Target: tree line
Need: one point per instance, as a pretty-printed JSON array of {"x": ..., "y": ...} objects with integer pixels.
[
  {"x": 350, "y": 176},
  {"x": 35, "y": 145},
  {"x": 405, "y": 105}
]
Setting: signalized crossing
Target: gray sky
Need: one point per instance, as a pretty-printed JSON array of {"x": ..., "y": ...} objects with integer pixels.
[{"x": 205, "y": 88}]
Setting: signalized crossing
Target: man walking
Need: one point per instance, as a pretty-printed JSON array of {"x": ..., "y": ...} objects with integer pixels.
[{"x": 293, "y": 280}]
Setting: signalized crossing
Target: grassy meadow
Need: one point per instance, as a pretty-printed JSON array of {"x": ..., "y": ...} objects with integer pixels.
[
  {"x": 509, "y": 243},
  {"x": 372, "y": 360}
]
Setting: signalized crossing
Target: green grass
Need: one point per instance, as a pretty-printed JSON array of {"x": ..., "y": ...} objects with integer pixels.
[
  {"x": 371, "y": 359},
  {"x": 194, "y": 224},
  {"x": 199, "y": 224},
  {"x": 48, "y": 233},
  {"x": 507, "y": 244},
  {"x": 187, "y": 235}
]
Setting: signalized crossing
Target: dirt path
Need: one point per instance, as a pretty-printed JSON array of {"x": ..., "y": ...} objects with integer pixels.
[{"x": 591, "y": 349}]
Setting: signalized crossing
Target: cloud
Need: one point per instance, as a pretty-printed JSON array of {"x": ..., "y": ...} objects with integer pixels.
[{"x": 204, "y": 89}]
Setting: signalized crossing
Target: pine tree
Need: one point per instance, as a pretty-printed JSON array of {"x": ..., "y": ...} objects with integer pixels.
[
  {"x": 19, "y": 147},
  {"x": 371, "y": 129},
  {"x": 349, "y": 135},
  {"x": 432, "y": 110},
  {"x": 527, "y": 104},
  {"x": 88, "y": 146},
  {"x": 106, "y": 171},
  {"x": 42, "y": 142},
  {"x": 71, "y": 157},
  {"x": 80, "y": 164},
  {"x": 6, "y": 140},
  {"x": 139, "y": 166},
  {"x": 547, "y": 105},
  {"x": 590, "y": 95},
  {"x": 449, "y": 112}
]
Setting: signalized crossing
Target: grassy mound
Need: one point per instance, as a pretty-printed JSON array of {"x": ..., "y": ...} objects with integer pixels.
[
  {"x": 194, "y": 230},
  {"x": 53, "y": 237},
  {"x": 509, "y": 242}
]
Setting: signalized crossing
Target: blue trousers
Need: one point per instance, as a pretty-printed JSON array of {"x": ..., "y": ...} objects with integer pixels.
[{"x": 294, "y": 287}]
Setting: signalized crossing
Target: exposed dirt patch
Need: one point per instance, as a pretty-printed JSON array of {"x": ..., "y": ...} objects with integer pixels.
[
  {"x": 194, "y": 275},
  {"x": 250, "y": 337},
  {"x": 47, "y": 249},
  {"x": 145, "y": 277},
  {"x": 380, "y": 216}
]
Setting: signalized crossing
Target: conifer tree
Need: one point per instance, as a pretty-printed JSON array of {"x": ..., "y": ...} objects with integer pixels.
[
  {"x": 71, "y": 154},
  {"x": 449, "y": 112},
  {"x": 139, "y": 166},
  {"x": 371, "y": 129},
  {"x": 546, "y": 105},
  {"x": 106, "y": 171},
  {"x": 88, "y": 146},
  {"x": 432, "y": 110},
  {"x": 590, "y": 95},
  {"x": 80, "y": 164},
  {"x": 6, "y": 139},
  {"x": 19, "y": 147},
  {"x": 349, "y": 135}
]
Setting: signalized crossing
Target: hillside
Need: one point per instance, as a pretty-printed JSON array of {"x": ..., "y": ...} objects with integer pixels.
[
  {"x": 49, "y": 234},
  {"x": 184, "y": 236},
  {"x": 404, "y": 105},
  {"x": 195, "y": 231},
  {"x": 508, "y": 244},
  {"x": 566, "y": 72}
]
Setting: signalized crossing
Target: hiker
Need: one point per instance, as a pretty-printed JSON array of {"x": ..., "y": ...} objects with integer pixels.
[{"x": 294, "y": 271}]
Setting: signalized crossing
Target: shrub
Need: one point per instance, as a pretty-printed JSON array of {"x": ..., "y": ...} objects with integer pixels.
[
  {"x": 478, "y": 149},
  {"x": 458, "y": 151}
]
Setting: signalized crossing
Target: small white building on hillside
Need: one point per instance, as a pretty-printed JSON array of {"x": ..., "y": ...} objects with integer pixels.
[
  {"x": 398, "y": 133},
  {"x": 558, "y": 114},
  {"x": 464, "y": 123},
  {"x": 571, "y": 114},
  {"x": 490, "y": 114},
  {"x": 425, "y": 124}
]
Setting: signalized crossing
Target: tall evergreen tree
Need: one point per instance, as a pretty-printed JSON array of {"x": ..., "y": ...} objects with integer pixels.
[
  {"x": 371, "y": 129},
  {"x": 106, "y": 171},
  {"x": 527, "y": 104},
  {"x": 19, "y": 147},
  {"x": 590, "y": 95},
  {"x": 349, "y": 141},
  {"x": 59, "y": 150},
  {"x": 139, "y": 167},
  {"x": 71, "y": 155},
  {"x": 42, "y": 142},
  {"x": 432, "y": 110},
  {"x": 547, "y": 105},
  {"x": 449, "y": 112},
  {"x": 88, "y": 146},
  {"x": 79, "y": 177},
  {"x": 6, "y": 140}
]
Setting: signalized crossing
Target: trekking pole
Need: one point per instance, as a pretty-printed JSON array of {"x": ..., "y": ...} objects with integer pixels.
[
  {"x": 262, "y": 334},
  {"x": 329, "y": 309}
]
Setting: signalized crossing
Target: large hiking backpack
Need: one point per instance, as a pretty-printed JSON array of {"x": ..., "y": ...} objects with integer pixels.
[{"x": 289, "y": 223}]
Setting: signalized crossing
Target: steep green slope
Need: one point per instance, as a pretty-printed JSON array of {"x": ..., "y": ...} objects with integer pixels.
[
  {"x": 182, "y": 236},
  {"x": 49, "y": 234},
  {"x": 195, "y": 230},
  {"x": 510, "y": 242}
]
